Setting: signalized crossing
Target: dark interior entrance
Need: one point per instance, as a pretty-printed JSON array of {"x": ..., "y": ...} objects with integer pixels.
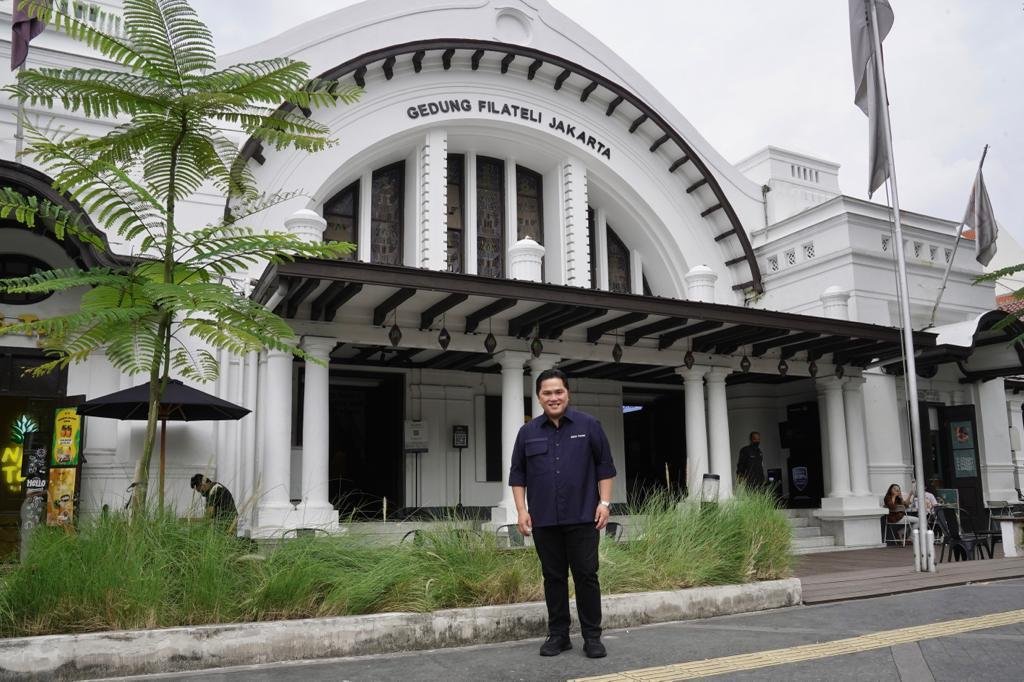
[
  {"x": 367, "y": 412},
  {"x": 655, "y": 439},
  {"x": 801, "y": 433}
]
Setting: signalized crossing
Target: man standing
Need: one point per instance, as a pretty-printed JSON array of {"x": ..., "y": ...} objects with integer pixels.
[
  {"x": 220, "y": 505},
  {"x": 562, "y": 465},
  {"x": 750, "y": 466}
]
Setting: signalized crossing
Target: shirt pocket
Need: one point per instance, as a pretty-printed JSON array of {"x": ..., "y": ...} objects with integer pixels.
[{"x": 537, "y": 458}]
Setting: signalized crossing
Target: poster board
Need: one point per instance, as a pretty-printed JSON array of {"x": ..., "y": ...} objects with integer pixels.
[{"x": 67, "y": 438}]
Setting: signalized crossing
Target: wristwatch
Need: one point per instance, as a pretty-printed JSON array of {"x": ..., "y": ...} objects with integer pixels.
[{"x": 606, "y": 503}]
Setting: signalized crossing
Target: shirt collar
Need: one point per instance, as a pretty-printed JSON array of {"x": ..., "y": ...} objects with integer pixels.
[{"x": 567, "y": 416}]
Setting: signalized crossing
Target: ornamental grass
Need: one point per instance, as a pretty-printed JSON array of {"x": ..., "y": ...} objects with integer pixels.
[{"x": 117, "y": 573}]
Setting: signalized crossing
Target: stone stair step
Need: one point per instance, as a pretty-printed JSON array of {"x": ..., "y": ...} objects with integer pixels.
[
  {"x": 799, "y": 523},
  {"x": 819, "y": 541},
  {"x": 807, "y": 532}
]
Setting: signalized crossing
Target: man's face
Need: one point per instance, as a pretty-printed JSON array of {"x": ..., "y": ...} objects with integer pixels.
[
  {"x": 755, "y": 439},
  {"x": 554, "y": 397}
]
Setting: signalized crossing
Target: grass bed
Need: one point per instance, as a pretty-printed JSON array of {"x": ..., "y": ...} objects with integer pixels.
[{"x": 115, "y": 573}]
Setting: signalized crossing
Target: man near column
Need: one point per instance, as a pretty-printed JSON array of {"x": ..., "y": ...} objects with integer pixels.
[
  {"x": 220, "y": 505},
  {"x": 750, "y": 465},
  {"x": 562, "y": 467}
]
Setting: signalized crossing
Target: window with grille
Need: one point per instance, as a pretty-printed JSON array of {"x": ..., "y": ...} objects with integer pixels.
[
  {"x": 791, "y": 257},
  {"x": 773, "y": 263},
  {"x": 618, "y": 264},
  {"x": 809, "y": 250},
  {"x": 386, "y": 214},
  {"x": 529, "y": 206},
  {"x": 342, "y": 215},
  {"x": 490, "y": 216},
  {"x": 455, "y": 214}
]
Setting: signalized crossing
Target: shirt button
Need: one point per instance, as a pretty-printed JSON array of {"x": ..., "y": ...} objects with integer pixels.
[{"x": 558, "y": 472}]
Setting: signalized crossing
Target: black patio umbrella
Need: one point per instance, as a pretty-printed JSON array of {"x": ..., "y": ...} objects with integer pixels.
[{"x": 180, "y": 403}]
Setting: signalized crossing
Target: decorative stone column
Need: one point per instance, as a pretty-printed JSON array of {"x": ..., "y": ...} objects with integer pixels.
[
  {"x": 574, "y": 211},
  {"x": 700, "y": 284},
  {"x": 1014, "y": 401},
  {"x": 307, "y": 225},
  {"x": 525, "y": 261},
  {"x": 511, "y": 420},
  {"x": 835, "y": 302},
  {"x": 852, "y": 520},
  {"x": 839, "y": 465},
  {"x": 275, "y": 511},
  {"x": 537, "y": 365},
  {"x": 696, "y": 426},
  {"x": 718, "y": 430},
  {"x": 316, "y": 509},
  {"x": 853, "y": 403}
]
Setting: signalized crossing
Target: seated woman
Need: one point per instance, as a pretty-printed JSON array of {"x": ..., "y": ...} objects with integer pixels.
[{"x": 897, "y": 507}]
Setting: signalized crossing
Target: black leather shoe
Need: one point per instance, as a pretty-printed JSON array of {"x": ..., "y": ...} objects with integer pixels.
[
  {"x": 555, "y": 645},
  {"x": 594, "y": 649}
]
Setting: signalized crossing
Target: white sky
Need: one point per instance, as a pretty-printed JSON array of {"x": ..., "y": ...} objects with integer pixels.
[{"x": 749, "y": 73}]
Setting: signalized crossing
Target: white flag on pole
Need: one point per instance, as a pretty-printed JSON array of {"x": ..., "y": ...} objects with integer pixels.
[
  {"x": 868, "y": 91},
  {"x": 982, "y": 219}
]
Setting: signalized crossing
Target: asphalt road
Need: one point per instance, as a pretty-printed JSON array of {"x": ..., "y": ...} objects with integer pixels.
[{"x": 986, "y": 652}]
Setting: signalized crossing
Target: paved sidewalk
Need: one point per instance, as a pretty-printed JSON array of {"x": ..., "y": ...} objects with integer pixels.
[{"x": 992, "y": 654}]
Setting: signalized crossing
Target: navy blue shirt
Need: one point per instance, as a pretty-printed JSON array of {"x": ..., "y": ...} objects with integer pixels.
[{"x": 560, "y": 467}]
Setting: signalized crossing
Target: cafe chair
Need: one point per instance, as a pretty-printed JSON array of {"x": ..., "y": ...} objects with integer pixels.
[
  {"x": 961, "y": 545},
  {"x": 509, "y": 536},
  {"x": 897, "y": 531}
]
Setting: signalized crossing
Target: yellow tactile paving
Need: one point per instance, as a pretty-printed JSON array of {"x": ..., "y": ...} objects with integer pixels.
[{"x": 808, "y": 652}]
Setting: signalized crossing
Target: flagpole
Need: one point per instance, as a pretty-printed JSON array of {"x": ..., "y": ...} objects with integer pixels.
[
  {"x": 952, "y": 256},
  {"x": 19, "y": 131},
  {"x": 910, "y": 366}
]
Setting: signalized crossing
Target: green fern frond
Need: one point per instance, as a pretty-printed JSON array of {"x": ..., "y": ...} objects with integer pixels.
[{"x": 169, "y": 34}]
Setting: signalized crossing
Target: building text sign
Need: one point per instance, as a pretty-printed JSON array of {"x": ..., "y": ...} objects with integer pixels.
[{"x": 504, "y": 109}]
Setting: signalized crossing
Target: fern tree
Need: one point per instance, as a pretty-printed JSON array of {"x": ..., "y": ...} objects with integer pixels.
[{"x": 175, "y": 106}]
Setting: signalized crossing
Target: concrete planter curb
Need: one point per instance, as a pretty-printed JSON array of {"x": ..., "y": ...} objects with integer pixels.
[{"x": 132, "y": 652}]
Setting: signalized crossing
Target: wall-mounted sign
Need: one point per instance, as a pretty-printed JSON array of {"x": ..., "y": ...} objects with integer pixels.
[
  {"x": 497, "y": 108},
  {"x": 964, "y": 465},
  {"x": 67, "y": 438},
  {"x": 961, "y": 435},
  {"x": 417, "y": 436},
  {"x": 460, "y": 436}
]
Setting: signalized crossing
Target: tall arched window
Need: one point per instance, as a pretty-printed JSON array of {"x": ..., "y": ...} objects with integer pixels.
[
  {"x": 21, "y": 265},
  {"x": 342, "y": 215},
  {"x": 386, "y": 214},
  {"x": 490, "y": 216},
  {"x": 619, "y": 280},
  {"x": 529, "y": 207},
  {"x": 455, "y": 216}
]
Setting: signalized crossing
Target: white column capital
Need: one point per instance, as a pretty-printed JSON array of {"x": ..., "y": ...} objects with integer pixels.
[
  {"x": 824, "y": 384},
  {"x": 319, "y": 347},
  {"x": 700, "y": 283},
  {"x": 853, "y": 383},
  {"x": 716, "y": 375},
  {"x": 835, "y": 302},
  {"x": 692, "y": 374},
  {"x": 511, "y": 359},
  {"x": 1014, "y": 402},
  {"x": 545, "y": 361}
]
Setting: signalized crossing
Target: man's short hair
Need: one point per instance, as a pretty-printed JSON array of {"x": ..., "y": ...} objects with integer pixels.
[
  {"x": 752, "y": 434},
  {"x": 197, "y": 481},
  {"x": 552, "y": 374}
]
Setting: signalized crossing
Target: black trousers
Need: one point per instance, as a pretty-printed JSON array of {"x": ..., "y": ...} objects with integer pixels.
[{"x": 561, "y": 548}]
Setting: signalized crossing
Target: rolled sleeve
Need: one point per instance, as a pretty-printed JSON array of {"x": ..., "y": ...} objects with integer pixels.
[
  {"x": 604, "y": 465},
  {"x": 517, "y": 472}
]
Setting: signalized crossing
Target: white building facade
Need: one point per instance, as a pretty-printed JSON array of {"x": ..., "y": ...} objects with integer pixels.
[{"x": 522, "y": 199}]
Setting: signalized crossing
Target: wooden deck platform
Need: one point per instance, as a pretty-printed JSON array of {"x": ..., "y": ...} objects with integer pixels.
[{"x": 858, "y": 574}]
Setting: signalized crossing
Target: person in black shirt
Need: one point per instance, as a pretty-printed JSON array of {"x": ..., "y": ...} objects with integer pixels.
[
  {"x": 220, "y": 505},
  {"x": 562, "y": 465},
  {"x": 750, "y": 466}
]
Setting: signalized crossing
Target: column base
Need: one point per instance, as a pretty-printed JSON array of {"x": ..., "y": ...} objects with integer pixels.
[
  {"x": 317, "y": 516},
  {"x": 853, "y": 521},
  {"x": 273, "y": 519}
]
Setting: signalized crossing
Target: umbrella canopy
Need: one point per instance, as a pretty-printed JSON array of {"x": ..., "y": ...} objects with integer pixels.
[{"x": 179, "y": 403}]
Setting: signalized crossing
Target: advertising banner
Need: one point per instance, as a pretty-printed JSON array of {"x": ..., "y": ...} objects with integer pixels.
[{"x": 67, "y": 438}]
